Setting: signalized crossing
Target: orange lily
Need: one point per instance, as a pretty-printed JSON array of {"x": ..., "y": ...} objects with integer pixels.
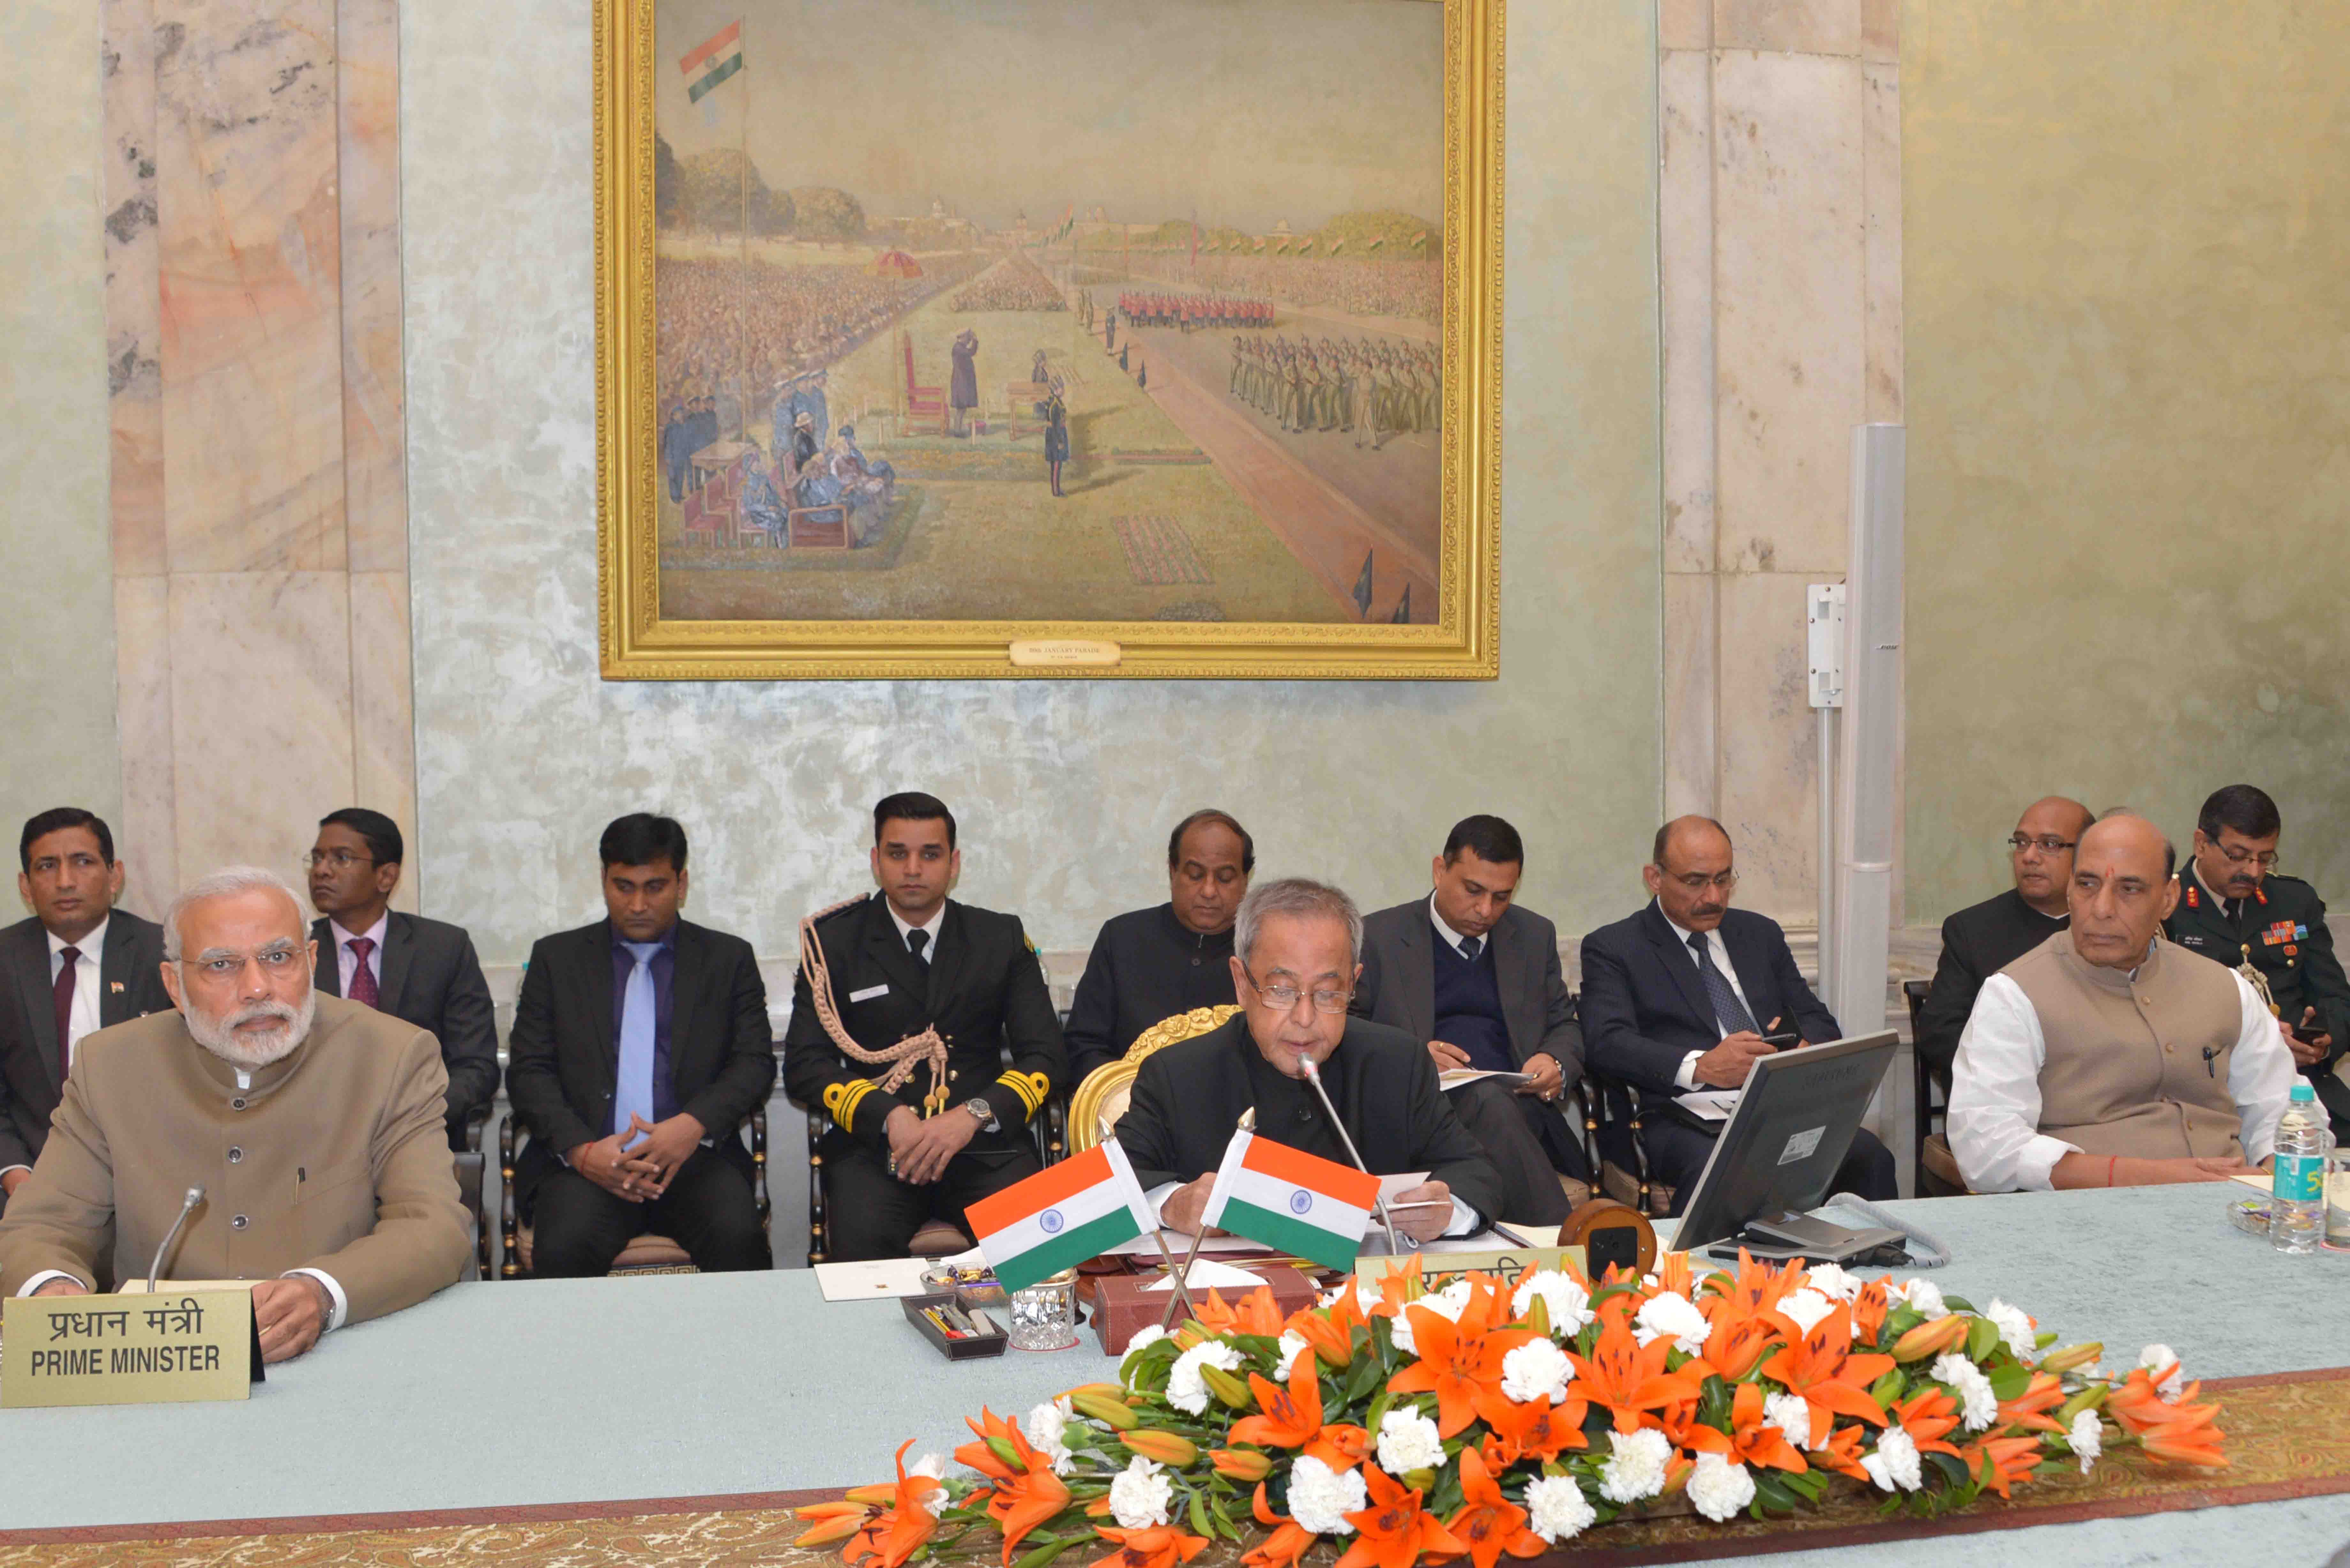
[
  {"x": 1487, "y": 1522},
  {"x": 982, "y": 1456},
  {"x": 1868, "y": 1310},
  {"x": 2029, "y": 1410},
  {"x": 1678, "y": 1422},
  {"x": 1342, "y": 1446},
  {"x": 824, "y": 1532},
  {"x": 1626, "y": 1377},
  {"x": 1254, "y": 1313},
  {"x": 2192, "y": 1442},
  {"x": 901, "y": 1528},
  {"x": 1754, "y": 1288},
  {"x": 1736, "y": 1344},
  {"x": 2011, "y": 1459},
  {"x": 1458, "y": 1362},
  {"x": 1395, "y": 1531},
  {"x": 1241, "y": 1464},
  {"x": 1754, "y": 1440},
  {"x": 1926, "y": 1416},
  {"x": 2183, "y": 1433},
  {"x": 1820, "y": 1368},
  {"x": 1292, "y": 1417},
  {"x": 1022, "y": 1497},
  {"x": 1330, "y": 1333},
  {"x": 1159, "y": 1546},
  {"x": 1287, "y": 1543},
  {"x": 1841, "y": 1454},
  {"x": 1540, "y": 1428}
]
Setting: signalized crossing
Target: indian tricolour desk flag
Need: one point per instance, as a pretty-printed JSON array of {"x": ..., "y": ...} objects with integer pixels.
[
  {"x": 1063, "y": 1215},
  {"x": 712, "y": 62},
  {"x": 1299, "y": 1202}
]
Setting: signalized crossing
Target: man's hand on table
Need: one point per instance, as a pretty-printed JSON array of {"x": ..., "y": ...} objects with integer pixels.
[
  {"x": 623, "y": 1175},
  {"x": 663, "y": 1145},
  {"x": 922, "y": 1146},
  {"x": 291, "y": 1314},
  {"x": 63, "y": 1287},
  {"x": 1423, "y": 1224},
  {"x": 1184, "y": 1206}
]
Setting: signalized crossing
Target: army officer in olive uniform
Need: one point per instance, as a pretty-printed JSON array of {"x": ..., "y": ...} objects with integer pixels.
[
  {"x": 2234, "y": 907},
  {"x": 909, "y": 960}
]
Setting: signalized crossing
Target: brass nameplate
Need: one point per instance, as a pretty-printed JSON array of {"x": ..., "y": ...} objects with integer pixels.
[
  {"x": 163, "y": 1349},
  {"x": 1036, "y": 653},
  {"x": 1511, "y": 1262}
]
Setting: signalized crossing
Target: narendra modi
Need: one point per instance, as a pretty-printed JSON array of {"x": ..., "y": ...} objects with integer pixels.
[{"x": 312, "y": 1127}]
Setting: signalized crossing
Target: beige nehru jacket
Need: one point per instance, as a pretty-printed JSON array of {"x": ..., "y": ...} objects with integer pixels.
[{"x": 334, "y": 1158}]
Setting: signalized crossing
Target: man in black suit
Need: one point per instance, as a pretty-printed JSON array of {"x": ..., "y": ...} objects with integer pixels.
[
  {"x": 421, "y": 971},
  {"x": 639, "y": 1046},
  {"x": 78, "y": 966},
  {"x": 1295, "y": 962},
  {"x": 1678, "y": 1001},
  {"x": 1984, "y": 938},
  {"x": 1478, "y": 978},
  {"x": 964, "y": 987}
]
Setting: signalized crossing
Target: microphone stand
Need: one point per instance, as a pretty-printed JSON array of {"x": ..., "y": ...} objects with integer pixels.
[
  {"x": 187, "y": 1207},
  {"x": 1379, "y": 1203}
]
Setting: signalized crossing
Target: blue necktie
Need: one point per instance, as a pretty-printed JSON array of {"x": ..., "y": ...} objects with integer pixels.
[
  {"x": 1730, "y": 1015},
  {"x": 633, "y": 1094}
]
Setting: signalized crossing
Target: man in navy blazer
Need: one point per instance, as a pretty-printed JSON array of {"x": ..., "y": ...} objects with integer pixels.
[{"x": 1676, "y": 1001}]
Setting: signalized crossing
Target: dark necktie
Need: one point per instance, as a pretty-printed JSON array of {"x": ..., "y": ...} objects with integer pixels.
[
  {"x": 1730, "y": 1015},
  {"x": 918, "y": 942},
  {"x": 363, "y": 986},
  {"x": 1470, "y": 947},
  {"x": 62, "y": 994},
  {"x": 2233, "y": 908}
]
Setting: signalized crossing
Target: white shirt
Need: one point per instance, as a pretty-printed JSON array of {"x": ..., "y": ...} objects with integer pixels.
[
  {"x": 1446, "y": 934},
  {"x": 1994, "y": 1117},
  {"x": 1718, "y": 950},
  {"x": 938, "y": 916},
  {"x": 347, "y": 962},
  {"x": 83, "y": 1019}
]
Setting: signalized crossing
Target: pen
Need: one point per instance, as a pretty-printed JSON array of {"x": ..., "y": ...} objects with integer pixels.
[{"x": 1506, "y": 1234}]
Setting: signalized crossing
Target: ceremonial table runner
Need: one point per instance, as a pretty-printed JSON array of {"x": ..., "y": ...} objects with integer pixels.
[{"x": 2288, "y": 1437}]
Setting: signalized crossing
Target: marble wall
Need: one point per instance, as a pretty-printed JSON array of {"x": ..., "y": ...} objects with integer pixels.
[
  {"x": 1066, "y": 787},
  {"x": 2128, "y": 467},
  {"x": 56, "y": 703}
]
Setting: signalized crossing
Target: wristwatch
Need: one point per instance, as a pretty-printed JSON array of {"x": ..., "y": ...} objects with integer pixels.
[{"x": 980, "y": 1111}]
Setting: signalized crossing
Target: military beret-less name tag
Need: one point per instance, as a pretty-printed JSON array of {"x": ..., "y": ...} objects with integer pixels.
[
  {"x": 169, "y": 1348},
  {"x": 870, "y": 993}
]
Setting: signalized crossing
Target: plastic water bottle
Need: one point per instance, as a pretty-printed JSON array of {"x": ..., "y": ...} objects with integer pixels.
[{"x": 2297, "y": 1196}]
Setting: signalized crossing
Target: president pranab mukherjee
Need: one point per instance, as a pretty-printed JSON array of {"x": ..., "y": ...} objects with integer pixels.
[
  {"x": 313, "y": 1125},
  {"x": 1296, "y": 952}
]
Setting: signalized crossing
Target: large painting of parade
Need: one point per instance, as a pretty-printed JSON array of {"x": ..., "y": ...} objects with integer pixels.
[{"x": 1066, "y": 310}]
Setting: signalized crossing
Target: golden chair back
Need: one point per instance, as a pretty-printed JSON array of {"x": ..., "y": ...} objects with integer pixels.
[{"x": 1101, "y": 1099}]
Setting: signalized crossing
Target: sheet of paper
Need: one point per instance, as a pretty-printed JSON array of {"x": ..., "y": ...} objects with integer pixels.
[
  {"x": 1207, "y": 1274},
  {"x": 1390, "y": 1187},
  {"x": 882, "y": 1279},
  {"x": 1459, "y": 1077},
  {"x": 1712, "y": 1104},
  {"x": 2260, "y": 1181}
]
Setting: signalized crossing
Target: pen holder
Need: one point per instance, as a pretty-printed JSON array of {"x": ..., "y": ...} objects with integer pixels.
[{"x": 970, "y": 1347}]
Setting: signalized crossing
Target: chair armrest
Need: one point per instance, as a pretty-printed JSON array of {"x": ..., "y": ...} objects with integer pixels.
[
  {"x": 759, "y": 1164},
  {"x": 476, "y": 1124},
  {"x": 510, "y": 1252},
  {"x": 819, "y": 1227}
]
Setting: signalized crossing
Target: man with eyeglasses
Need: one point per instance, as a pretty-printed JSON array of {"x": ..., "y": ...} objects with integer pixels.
[
  {"x": 1680, "y": 1000},
  {"x": 2234, "y": 906},
  {"x": 422, "y": 971},
  {"x": 310, "y": 1125},
  {"x": 1297, "y": 955},
  {"x": 1984, "y": 938}
]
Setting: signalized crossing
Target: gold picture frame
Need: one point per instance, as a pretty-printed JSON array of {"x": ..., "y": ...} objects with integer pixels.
[{"x": 638, "y": 643}]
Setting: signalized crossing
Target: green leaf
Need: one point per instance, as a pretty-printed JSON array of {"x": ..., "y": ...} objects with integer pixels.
[
  {"x": 1887, "y": 1390},
  {"x": 1982, "y": 1338},
  {"x": 1362, "y": 1377},
  {"x": 1714, "y": 1402},
  {"x": 1958, "y": 1303},
  {"x": 2010, "y": 1381},
  {"x": 1200, "y": 1525},
  {"x": 1225, "y": 1525},
  {"x": 1044, "y": 1554}
]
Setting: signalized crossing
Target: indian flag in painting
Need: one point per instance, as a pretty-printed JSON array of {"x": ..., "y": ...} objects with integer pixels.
[
  {"x": 712, "y": 62},
  {"x": 1061, "y": 1216},
  {"x": 1296, "y": 1201}
]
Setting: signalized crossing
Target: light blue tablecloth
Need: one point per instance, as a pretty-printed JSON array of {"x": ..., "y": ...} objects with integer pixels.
[{"x": 566, "y": 1391}]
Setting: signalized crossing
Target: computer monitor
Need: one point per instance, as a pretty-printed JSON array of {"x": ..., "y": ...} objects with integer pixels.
[{"x": 1778, "y": 1153}]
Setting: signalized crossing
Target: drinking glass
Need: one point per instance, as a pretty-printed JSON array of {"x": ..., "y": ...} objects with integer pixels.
[{"x": 1044, "y": 1315}]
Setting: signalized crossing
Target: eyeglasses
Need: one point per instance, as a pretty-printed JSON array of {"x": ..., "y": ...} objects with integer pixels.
[
  {"x": 2048, "y": 844},
  {"x": 340, "y": 859},
  {"x": 276, "y": 959},
  {"x": 1698, "y": 882},
  {"x": 1284, "y": 997},
  {"x": 2266, "y": 859}
]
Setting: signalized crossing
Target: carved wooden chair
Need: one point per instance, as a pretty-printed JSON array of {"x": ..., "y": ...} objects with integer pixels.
[
  {"x": 1101, "y": 1099},
  {"x": 1937, "y": 1167}
]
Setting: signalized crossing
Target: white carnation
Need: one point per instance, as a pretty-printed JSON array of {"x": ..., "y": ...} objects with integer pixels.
[
  {"x": 2088, "y": 1439},
  {"x": 1973, "y": 1389},
  {"x": 1672, "y": 1315},
  {"x": 1569, "y": 1303},
  {"x": 1792, "y": 1415},
  {"x": 935, "y": 1467},
  {"x": 1719, "y": 1487},
  {"x": 1894, "y": 1465},
  {"x": 1291, "y": 1347},
  {"x": 1186, "y": 1389},
  {"x": 1408, "y": 1441},
  {"x": 1556, "y": 1509},
  {"x": 2014, "y": 1326},
  {"x": 1448, "y": 1303},
  {"x": 1149, "y": 1335},
  {"x": 1804, "y": 1308},
  {"x": 1637, "y": 1469},
  {"x": 2154, "y": 1358},
  {"x": 1047, "y": 1424},
  {"x": 1538, "y": 1369},
  {"x": 1320, "y": 1498},
  {"x": 1140, "y": 1495},
  {"x": 1923, "y": 1297},
  {"x": 1834, "y": 1282}
]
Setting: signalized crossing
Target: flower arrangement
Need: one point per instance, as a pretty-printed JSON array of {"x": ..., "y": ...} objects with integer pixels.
[{"x": 1483, "y": 1415}]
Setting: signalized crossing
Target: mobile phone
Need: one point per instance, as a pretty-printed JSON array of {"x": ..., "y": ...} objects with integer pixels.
[{"x": 1781, "y": 1041}]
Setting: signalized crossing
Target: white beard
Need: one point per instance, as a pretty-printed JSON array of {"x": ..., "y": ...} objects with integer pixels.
[{"x": 249, "y": 1050}]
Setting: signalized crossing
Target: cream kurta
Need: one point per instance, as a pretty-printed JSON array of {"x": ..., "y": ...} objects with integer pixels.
[{"x": 334, "y": 1158}]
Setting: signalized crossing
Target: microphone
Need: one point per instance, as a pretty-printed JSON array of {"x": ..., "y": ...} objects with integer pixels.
[
  {"x": 187, "y": 1205},
  {"x": 1313, "y": 1076}
]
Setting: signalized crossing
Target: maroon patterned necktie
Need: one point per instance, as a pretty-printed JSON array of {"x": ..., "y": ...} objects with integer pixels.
[
  {"x": 62, "y": 994},
  {"x": 363, "y": 988}
]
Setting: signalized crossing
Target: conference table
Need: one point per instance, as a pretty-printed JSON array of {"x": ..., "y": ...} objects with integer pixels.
[{"x": 551, "y": 1392}]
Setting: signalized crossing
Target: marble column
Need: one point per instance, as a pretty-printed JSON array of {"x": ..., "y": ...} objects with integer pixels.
[
  {"x": 259, "y": 504},
  {"x": 1779, "y": 207}
]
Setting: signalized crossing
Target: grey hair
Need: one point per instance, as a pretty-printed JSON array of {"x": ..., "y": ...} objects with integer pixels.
[
  {"x": 1296, "y": 896},
  {"x": 221, "y": 884}
]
